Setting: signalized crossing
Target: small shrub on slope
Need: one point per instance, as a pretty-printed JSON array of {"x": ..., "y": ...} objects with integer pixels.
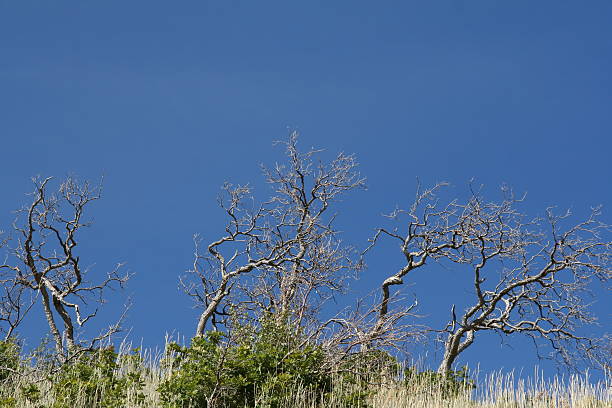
[
  {"x": 257, "y": 370},
  {"x": 94, "y": 381}
]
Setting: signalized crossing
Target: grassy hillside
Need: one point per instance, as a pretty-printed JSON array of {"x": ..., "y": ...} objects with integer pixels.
[{"x": 133, "y": 378}]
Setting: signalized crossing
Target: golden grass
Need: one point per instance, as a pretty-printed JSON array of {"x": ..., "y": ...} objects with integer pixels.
[{"x": 496, "y": 390}]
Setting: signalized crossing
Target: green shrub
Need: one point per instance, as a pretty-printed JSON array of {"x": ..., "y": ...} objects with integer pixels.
[
  {"x": 257, "y": 370},
  {"x": 31, "y": 393},
  {"x": 8, "y": 402},
  {"x": 9, "y": 358},
  {"x": 10, "y": 361},
  {"x": 93, "y": 379}
]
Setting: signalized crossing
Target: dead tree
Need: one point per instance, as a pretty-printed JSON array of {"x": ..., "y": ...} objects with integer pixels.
[
  {"x": 529, "y": 275},
  {"x": 15, "y": 303},
  {"x": 428, "y": 237},
  {"x": 43, "y": 264},
  {"x": 12, "y": 308},
  {"x": 282, "y": 257}
]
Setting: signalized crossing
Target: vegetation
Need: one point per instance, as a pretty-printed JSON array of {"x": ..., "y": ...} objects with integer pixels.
[
  {"x": 257, "y": 375},
  {"x": 268, "y": 334},
  {"x": 254, "y": 371}
]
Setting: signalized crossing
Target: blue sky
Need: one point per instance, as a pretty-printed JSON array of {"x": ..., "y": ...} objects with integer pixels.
[{"x": 168, "y": 100}]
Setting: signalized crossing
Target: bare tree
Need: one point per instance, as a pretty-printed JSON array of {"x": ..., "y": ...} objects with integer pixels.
[
  {"x": 44, "y": 264},
  {"x": 544, "y": 272},
  {"x": 12, "y": 309},
  {"x": 530, "y": 276},
  {"x": 283, "y": 256},
  {"x": 13, "y": 306},
  {"x": 426, "y": 238}
]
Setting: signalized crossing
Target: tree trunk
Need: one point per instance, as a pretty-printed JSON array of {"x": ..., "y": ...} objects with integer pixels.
[
  {"x": 453, "y": 347},
  {"x": 57, "y": 337}
]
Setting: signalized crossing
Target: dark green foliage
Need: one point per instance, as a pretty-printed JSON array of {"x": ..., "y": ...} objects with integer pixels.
[
  {"x": 258, "y": 369},
  {"x": 93, "y": 380},
  {"x": 449, "y": 385},
  {"x": 9, "y": 358},
  {"x": 8, "y": 402},
  {"x": 31, "y": 393},
  {"x": 9, "y": 362}
]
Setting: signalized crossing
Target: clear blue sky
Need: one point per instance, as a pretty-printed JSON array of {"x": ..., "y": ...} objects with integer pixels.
[{"x": 170, "y": 99}]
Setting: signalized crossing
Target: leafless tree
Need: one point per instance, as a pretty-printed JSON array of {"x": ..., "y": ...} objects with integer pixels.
[
  {"x": 530, "y": 276},
  {"x": 13, "y": 306},
  {"x": 359, "y": 329},
  {"x": 282, "y": 257},
  {"x": 43, "y": 264},
  {"x": 417, "y": 248}
]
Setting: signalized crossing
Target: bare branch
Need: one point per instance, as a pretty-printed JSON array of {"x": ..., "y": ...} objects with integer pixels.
[
  {"x": 43, "y": 261},
  {"x": 529, "y": 275},
  {"x": 283, "y": 256}
]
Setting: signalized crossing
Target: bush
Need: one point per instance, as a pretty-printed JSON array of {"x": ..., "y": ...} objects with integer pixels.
[
  {"x": 93, "y": 379},
  {"x": 257, "y": 370},
  {"x": 10, "y": 361},
  {"x": 9, "y": 358}
]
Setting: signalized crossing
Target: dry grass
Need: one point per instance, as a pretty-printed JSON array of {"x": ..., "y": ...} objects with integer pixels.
[{"x": 497, "y": 390}]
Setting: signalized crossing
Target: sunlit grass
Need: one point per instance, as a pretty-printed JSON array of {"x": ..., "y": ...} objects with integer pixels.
[{"x": 503, "y": 390}]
